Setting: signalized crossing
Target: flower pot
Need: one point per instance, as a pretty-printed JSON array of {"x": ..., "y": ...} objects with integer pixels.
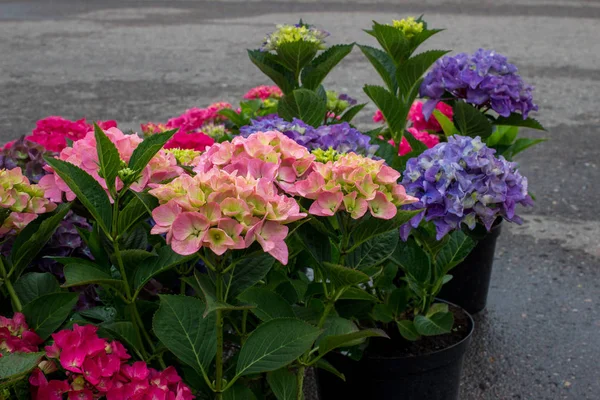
[
  {"x": 471, "y": 278},
  {"x": 384, "y": 374}
]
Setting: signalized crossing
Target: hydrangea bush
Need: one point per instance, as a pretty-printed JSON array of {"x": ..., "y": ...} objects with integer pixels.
[{"x": 234, "y": 247}]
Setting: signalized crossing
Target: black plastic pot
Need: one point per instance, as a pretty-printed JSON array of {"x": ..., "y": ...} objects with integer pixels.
[
  {"x": 471, "y": 279},
  {"x": 432, "y": 376}
]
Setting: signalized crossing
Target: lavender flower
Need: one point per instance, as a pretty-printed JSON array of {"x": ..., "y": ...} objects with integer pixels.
[
  {"x": 461, "y": 181},
  {"x": 484, "y": 79},
  {"x": 26, "y": 155},
  {"x": 340, "y": 137}
]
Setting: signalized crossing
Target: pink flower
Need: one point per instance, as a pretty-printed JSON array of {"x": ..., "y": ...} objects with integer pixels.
[
  {"x": 188, "y": 231},
  {"x": 52, "y": 132},
  {"x": 15, "y": 335},
  {"x": 264, "y": 92},
  {"x": 270, "y": 236},
  {"x": 428, "y": 139},
  {"x": 192, "y": 141},
  {"x": 378, "y": 117},
  {"x": 419, "y": 122},
  {"x": 152, "y": 128}
]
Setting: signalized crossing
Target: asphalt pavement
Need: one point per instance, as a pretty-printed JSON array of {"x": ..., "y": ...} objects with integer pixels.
[{"x": 140, "y": 61}]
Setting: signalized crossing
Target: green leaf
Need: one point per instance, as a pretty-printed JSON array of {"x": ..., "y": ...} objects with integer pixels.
[
  {"x": 82, "y": 274},
  {"x": 109, "y": 159},
  {"x": 305, "y": 105},
  {"x": 296, "y": 55},
  {"x": 520, "y": 145},
  {"x": 320, "y": 67},
  {"x": 354, "y": 293},
  {"x": 335, "y": 326},
  {"x": 247, "y": 273},
  {"x": 410, "y": 72},
  {"x": 125, "y": 332},
  {"x": 456, "y": 249},
  {"x": 210, "y": 297},
  {"x": 165, "y": 260},
  {"x": 87, "y": 189},
  {"x": 47, "y": 313},
  {"x": 342, "y": 277},
  {"x": 133, "y": 258},
  {"x": 447, "y": 125},
  {"x": 283, "y": 384},
  {"x": 391, "y": 108},
  {"x": 333, "y": 342},
  {"x": 384, "y": 66},
  {"x": 371, "y": 227},
  {"x": 408, "y": 331},
  {"x": 268, "y": 64},
  {"x": 100, "y": 313},
  {"x": 503, "y": 135},
  {"x": 239, "y": 392},
  {"x": 13, "y": 365},
  {"x": 35, "y": 284},
  {"x": 275, "y": 344},
  {"x": 382, "y": 313},
  {"x": 398, "y": 301},
  {"x": 437, "y": 308},
  {"x": 421, "y": 37},
  {"x": 470, "y": 121},
  {"x": 326, "y": 366},
  {"x": 316, "y": 243},
  {"x": 237, "y": 119},
  {"x": 142, "y": 154},
  {"x": 413, "y": 261},
  {"x": 31, "y": 240},
  {"x": 179, "y": 325},
  {"x": 516, "y": 119},
  {"x": 351, "y": 112},
  {"x": 136, "y": 210},
  {"x": 269, "y": 305},
  {"x": 437, "y": 324},
  {"x": 392, "y": 40},
  {"x": 4, "y": 213},
  {"x": 374, "y": 251}
]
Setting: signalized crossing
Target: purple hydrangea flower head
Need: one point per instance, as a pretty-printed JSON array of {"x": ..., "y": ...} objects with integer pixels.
[
  {"x": 26, "y": 155},
  {"x": 340, "y": 137},
  {"x": 462, "y": 182},
  {"x": 484, "y": 79}
]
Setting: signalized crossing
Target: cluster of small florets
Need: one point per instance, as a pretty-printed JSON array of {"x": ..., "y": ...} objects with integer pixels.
[
  {"x": 462, "y": 182},
  {"x": 355, "y": 184},
  {"x": 16, "y": 337},
  {"x": 24, "y": 154},
  {"x": 324, "y": 156},
  {"x": 20, "y": 201},
  {"x": 184, "y": 156},
  {"x": 294, "y": 33},
  {"x": 84, "y": 155},
  {"x": 264, "y": 92},
  {"x": 409, "y": 26},
  {"x": 53, "y": 132},
  {"x": 96, "y": 368},
  {"x": 485, "y": 79},
  {"x": 218, "y": 132},
  {"x": 338, "y": 103},
  {"x": 152, "y": 128}
]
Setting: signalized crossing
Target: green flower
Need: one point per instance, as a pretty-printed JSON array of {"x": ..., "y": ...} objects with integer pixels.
[
  {"x": 184, "y": 156},
  {"x": 325, "y": 156},
  {"x": 409, "y": 26},
  {"x": 294, "y": 33}
]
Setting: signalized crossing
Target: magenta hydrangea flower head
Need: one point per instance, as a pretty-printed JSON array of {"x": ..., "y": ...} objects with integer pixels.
[
  {"x": 462, "y": 182},
  {"x": 84, "y": 155},
  {"x": 53, "y": 132},
  {"x": 16, "y": 337},
  {"x": 354, "y": 184},
  {"x": 20, "y": 201},
  {"x": 484, "y": 79},
  {"x": 264, "y": 92}
]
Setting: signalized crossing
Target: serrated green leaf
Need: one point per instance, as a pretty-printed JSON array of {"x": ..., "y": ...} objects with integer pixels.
[
  {"x": 437, "y": 324},
  {"x": 31, "y": 240},
  {"x": 408, "y": 331},
  {"x": 470, "y": 121},
  {"x": 316, "y": 243},
  {"x": 516, "y": 119},
  {"x": 457, "y": 248},
  {"x": 179, "y": 325},
  {"x": 87, "y": 189},
  {"x": 333, "y": 342},
  {"x": 317, "y": 70},
  {"x": 248, "y": 273},
  {"x": 351, "y": 112},
  {"x": 358, "y": 294},
  {"x": 415, "y": 262},
  {"x": 81, "y": 274},
  {"x": 398, "y": 301},
  {"x": 447, "y": 125},
  {"x": 392, "y": 40},
  {"x": 237, "y": 119},
  {"x": 34, "y": 284},
  {"x": 239, "y": 392},
  {"x": 342, "y": 277},
  {"x": 421, "y": 37},
  {"x": 382, "y": 313},
  {"x": 520, "y": 145},
  {"x": 267, "y": 63},
  {"x": 109, "y": 159},
  {"x": 210, "y": 297},
  {"x": 305, "y": 105},
  {"x": 163, "y": 261},
  {"x": 46, "y": 314},
  {"x": 503, "y": 136},
  {"x": 384, "y": 66},
  {"x": 283, "y": 384},
  {"x": 136, "y": 210},
  {"x": 275, "y": 344},
  {"x": 296, "y": 55},
  {"x": 268, "y": 304},
  {"x": 13, "y": 365},
  {"x": 371, "y": 227},
  {"x": 437, "y": 308},
  {"x": 391, "y": 108},
  {"x": 411, "y": 71},
  {"x": 373, "y": 252},
  {"x": 327, "y": 366},
  {"x": 142, "y": 154}
]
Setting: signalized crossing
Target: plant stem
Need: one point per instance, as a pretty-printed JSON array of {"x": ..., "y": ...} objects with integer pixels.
[
  {"x": 11, "y": 290},
  {"x": 219, "y": 323},
  {"x": 328, "y": 308},
  {"x": 140, "y": 324},
  {"x": 300, "y": 382}
]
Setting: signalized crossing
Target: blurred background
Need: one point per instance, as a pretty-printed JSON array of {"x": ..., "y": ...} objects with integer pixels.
[{"x": 140, "y": 61}]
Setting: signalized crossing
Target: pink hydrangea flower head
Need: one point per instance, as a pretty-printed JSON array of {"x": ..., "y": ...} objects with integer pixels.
[
  {"x": 354, "y": 184},
  {"x": 421, "y": 123},
  {"x": 264, "y": 92}
]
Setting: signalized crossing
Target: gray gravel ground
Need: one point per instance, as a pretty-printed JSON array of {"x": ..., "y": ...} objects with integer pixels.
[{"x": 138, "y": 61}]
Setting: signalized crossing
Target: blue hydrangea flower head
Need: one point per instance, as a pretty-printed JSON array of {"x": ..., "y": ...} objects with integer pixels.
[
  {"x": 462, "y": 182},
  {"x": 484, "y": 79}
]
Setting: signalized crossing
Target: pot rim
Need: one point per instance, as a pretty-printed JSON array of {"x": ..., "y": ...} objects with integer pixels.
[{"x": 462, "y": 342}]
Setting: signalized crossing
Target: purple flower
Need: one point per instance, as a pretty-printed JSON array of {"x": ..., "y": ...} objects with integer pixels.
[
  {"x": 26, "y": 155},
  {"x": 484, "y": 79},
  {"x": 462, "y": 182},
  {"x": 341, "y": 137}
]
